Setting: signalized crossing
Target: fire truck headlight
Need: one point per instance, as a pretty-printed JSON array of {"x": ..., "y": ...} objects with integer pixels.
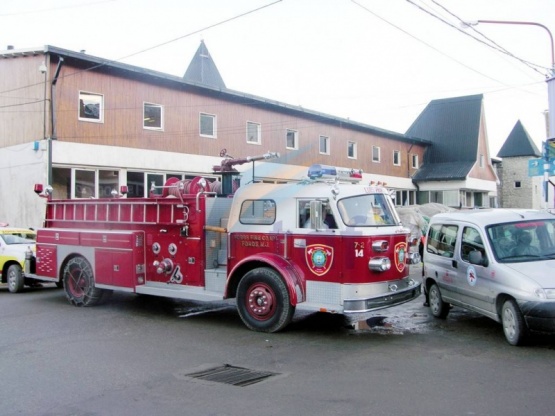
[{"x": 379, "y": 264}]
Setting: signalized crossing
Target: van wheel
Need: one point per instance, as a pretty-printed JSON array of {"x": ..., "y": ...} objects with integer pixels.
[
  {"x": 79, "y": 283},
  {"x": 514, "y": 326},
  {"x": 16, "y": 281},
  {"x": 439, "y": 308},
  {"x": 263, "y": 301}
]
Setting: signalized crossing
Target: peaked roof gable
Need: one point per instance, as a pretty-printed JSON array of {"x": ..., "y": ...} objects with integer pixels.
[
  {"x": 518, "y": 144},
  {"x": 203, "y": 70},
  {"x": 453, "y": 127}
]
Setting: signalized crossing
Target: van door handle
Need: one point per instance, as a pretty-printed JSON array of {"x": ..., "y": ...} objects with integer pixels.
[{"x": 454, "y": 263}]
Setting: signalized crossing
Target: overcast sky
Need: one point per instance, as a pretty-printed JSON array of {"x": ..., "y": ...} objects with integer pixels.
[{"x": 378, "y": 62}]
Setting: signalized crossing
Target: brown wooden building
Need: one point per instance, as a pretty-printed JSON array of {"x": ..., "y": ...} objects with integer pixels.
[{"x": 87, "y": 125}]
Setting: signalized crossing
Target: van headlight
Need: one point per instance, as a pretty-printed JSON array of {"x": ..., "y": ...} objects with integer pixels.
[{"x": 540, "y": 293}]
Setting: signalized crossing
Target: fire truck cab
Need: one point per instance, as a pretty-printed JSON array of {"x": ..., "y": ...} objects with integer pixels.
[{"x": 327, "y": 243}]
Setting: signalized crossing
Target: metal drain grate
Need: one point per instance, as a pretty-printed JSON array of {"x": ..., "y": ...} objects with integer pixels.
[{"x": 229, "y": 374}]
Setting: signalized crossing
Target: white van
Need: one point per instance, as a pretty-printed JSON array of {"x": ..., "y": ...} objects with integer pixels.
[{"x": 497, "y": 262}]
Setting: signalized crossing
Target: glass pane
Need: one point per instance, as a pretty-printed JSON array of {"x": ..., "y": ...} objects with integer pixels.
[
  {"x": 108, "y": 181},
  {"x": 135, "y": 184},
  {"x": 153, "y": 116},
  {"x": 366, "y": 210},
  {"x": 156, "y": 180},
  {"x": 61, "y": 178},
  {"x": 262, "y": 211},
  {"x": 90, "y": 106},
  {"x": 85, "y": 184},
  {"x": 252, "y": 133},
  {"x": 206, "y": 125}
]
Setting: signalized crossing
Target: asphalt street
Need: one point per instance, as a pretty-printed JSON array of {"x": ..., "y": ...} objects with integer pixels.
[{"x": 139, "y": 355}]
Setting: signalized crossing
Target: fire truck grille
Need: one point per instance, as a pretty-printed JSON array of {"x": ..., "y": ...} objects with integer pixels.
[{"x": 229, "y": 374}]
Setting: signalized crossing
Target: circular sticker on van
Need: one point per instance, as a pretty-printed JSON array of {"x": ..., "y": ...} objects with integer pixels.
[{"x": 471, "y": 275}]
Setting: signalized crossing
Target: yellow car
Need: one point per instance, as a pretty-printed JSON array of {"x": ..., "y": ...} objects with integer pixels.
[{"x": 14, "y": 243}]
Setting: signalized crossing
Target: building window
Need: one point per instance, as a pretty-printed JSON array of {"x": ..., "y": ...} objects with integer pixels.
[
  {"x": 153, "y": 116},
  {"x": 482, "y": 161},
  {"x": 397, "y": 158},
  {"x": 292, "y": 139},
  {"x": 85, "y": 184},
  {"x": 207, "y": 125},
  {"x": 375, "y": 154},
  {"x": 91, "y": 107},
  {"x": 518, "y": 184},
  {"x": 414, "y": 159},
  {"x": 351, "y": 150},
  {"x": 254, "y": 133},
  {"x": 324, "y": 145}
]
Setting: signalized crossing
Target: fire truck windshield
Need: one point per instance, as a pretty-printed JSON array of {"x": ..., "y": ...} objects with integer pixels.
[{"x": 366, "y": 210}]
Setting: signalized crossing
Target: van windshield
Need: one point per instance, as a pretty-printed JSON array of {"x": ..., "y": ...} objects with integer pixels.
[
  {"x": 523, "y": 241},
  {"x": 367, "y": 210}
]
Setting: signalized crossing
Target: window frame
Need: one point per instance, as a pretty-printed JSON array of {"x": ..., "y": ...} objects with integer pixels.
[
  {"x": 263, "y": 211},
  {"x": 326, "y": 141},
  {"x": 153, "y": 105},
  {"x": 414, "y": 161},
  {"x": 100, "y": 118},
  {"x": 378, "y": 158},
  {"x": 214, "y": 119},
  {"x": 397, "y": 155},
  {"x": 295, "y": 139},
  {"x": 258, "y": 126},
  {"x": 351, "y": 145}
]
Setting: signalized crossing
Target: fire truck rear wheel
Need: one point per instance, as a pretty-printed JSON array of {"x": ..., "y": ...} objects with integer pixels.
[
  {"x": 79, "y": 283},
  {"x": 263, "y": 301},
  {"x": 16, "y": 280}
]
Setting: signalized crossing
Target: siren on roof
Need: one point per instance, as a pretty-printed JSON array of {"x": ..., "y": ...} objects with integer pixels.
[{"x": 331, "y": 172}]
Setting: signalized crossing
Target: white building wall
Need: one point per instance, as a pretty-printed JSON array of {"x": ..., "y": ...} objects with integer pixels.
[{"x": 21, "y": 166}]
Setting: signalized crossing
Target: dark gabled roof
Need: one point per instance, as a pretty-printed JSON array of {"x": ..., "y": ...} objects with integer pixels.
[
  {"x": 453, "y": 127},
  {"x": 447, "y": 171},
  {"x": 203, "y": 70},
  {"x": 518, "y": 144}
]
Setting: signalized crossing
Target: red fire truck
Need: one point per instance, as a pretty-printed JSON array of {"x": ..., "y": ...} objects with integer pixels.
[{"x": 327, "y": 243}]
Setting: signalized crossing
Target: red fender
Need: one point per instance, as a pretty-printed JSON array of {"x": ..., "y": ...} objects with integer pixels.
[{"x": 292, "y": 275}]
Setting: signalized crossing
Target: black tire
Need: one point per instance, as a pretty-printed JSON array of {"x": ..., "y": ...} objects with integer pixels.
[
  {"x": 439, "y": 308},
  {"x": 263, "y": 301},
  {"x": 15, "y": 278},
  {"x": 514, "y": 325},
  {"x": 79, "y": 283}
]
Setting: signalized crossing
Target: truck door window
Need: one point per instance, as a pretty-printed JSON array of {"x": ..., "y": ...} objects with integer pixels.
[
  {"x": 310, "y": 210},
  {"x": 258, "y": 211},
  {"x": 441, "y": 239},
  {"x": 471, "y": 241}
]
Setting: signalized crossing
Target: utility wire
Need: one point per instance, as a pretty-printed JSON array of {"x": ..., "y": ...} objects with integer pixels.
[
  {"x": 425, "y": 43},
  {"x": 493, "y": 44}
]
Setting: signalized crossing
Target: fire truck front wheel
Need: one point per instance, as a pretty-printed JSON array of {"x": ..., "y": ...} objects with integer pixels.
[
  {"x": 263, "y": 301},
  {"x": 79, "y": 283}
]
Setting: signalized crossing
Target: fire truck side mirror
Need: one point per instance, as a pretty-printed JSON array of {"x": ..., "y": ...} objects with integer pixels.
[{"x": 42, "y": 191}]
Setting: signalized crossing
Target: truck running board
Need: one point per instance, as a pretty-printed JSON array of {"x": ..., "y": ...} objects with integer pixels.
[{"x": 178, "y": 291}]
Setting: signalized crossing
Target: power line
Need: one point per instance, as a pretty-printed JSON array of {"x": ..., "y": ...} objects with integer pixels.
[
  {"x": 494, "y": 45},
  {"x": 425, "y": 43}
]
